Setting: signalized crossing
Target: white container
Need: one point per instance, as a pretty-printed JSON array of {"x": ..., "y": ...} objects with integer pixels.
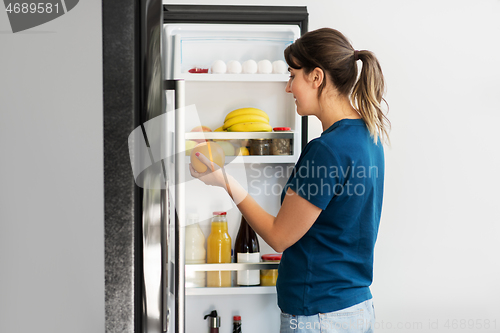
[{"x": 195, "y": 251}]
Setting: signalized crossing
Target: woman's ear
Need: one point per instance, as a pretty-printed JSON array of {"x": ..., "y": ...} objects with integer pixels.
[{"x": 317, "y": 77}]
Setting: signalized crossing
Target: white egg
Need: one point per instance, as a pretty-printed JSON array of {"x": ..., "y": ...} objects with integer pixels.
[
  {"x": 250, "y": 67},
  {"x": 265, "y": 67},
  {"x": 234, "y": 67},
  {"x": 280, "y": 67},
  {"x": 219, "y": 67}
]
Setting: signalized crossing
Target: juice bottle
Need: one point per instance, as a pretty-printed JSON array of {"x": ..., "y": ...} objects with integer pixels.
[{"x": 219, "y": 251}]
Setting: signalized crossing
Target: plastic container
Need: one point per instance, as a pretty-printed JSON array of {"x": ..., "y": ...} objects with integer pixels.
[
  {"x": 219, "y": 251},
  {"x": 195, "y": 251},
  {"x": 260, "y": 147},
  {"x": 268, "y": 277},
  {"x": 281, "y": 146}
]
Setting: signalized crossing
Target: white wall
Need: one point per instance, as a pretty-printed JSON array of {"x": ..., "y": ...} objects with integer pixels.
[
  {"x": 436, "y": 266},
  {"x": 438, "y": 243},
  {"x": 51, "y": 175}
]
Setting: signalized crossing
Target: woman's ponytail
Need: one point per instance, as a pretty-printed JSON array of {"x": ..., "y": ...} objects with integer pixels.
[
  {"x": 367, "y": 95},
  {"x": 331, "y": 51}
]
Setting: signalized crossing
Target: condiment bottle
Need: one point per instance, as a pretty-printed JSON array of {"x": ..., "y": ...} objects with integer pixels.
[
  {"x": 219, "y": 251},
  {"x": 246, "y": 249},
  {"x": 195, "y": 251},
  {"x": 236, "y": 324},
  {"x": 213, "y": 321}
]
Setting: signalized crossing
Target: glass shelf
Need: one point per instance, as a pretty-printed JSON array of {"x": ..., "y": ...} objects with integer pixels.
[
  {"x": 230, "y": 267},
  {"x": 238, "y": 135},
  {"x": 235, "y": 77},
  {"x": 237, "y": 290},
  {"x": 255, "y": 159},
  {"x": 256, "y": 290}
]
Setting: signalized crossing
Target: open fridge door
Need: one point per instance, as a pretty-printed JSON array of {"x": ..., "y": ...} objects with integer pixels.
[{"x": 190, "y": 50}]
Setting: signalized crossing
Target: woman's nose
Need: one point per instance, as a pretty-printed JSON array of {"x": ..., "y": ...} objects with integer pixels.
[{"x": 288, "y": 86}]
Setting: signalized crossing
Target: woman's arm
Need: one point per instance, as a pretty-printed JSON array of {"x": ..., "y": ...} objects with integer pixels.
[{"x": 294, "y": 219}]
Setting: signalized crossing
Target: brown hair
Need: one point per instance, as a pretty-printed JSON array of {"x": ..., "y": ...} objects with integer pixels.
[{"x": 332, "y": 52}]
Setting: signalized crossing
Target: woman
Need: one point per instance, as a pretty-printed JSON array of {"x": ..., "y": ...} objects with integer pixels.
[{"x": 330, "y": 212}]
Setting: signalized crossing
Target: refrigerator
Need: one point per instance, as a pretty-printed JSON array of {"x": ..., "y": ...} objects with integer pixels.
[{"x": 180, "y": 91}]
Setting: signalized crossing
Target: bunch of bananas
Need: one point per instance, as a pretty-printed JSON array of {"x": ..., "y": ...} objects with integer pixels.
[{"x": 246, "y": 120}]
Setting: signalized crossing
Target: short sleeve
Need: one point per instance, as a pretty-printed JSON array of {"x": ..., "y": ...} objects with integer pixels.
[{"x": 315, "y": 176}]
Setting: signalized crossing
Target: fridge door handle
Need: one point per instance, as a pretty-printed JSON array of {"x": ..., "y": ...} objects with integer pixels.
[{"x": 179, "y": 232}]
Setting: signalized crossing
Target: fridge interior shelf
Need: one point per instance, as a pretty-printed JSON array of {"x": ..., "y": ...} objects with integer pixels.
[
  {"x": 235, "y": 77},
  {"x": 257, "y": 290},
  {"x": 257, "y": 159},
  {"x": 238, "y": 135}
]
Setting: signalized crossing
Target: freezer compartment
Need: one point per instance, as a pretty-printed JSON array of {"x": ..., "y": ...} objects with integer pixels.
[{"x": 190, "y": 46}]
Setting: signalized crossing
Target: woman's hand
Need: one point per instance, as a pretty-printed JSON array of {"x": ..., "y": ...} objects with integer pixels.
[{"x": 214, "y": 175}]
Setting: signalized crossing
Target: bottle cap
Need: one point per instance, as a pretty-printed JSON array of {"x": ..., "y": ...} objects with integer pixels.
[
  {"x": 279, "y": 129},
  {"x": 236, "y": 317},
  {"x": 214, "y": 319},
  {"x": 272, "y": 257},
  {"x": 219, "y": 213}
]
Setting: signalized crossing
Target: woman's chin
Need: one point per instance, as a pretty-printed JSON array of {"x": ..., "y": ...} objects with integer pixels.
[{"x": 301, "y": 112}]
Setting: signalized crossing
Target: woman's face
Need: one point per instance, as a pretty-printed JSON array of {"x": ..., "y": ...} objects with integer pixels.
[{"x": 302, "y": 89}]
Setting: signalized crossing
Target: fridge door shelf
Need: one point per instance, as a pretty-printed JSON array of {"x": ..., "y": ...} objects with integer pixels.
[{"x": 235, "y": 77}]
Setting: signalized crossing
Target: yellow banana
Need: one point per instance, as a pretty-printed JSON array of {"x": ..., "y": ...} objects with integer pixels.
[
  {"x": 220, "y": 129},
  {"x": 246, "y": 118},
  {"x": 242, "y": 111},
  {"x": 250, "y": 127}
]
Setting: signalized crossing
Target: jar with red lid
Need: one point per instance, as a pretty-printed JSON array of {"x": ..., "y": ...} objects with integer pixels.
[
  {"x": 281, "y": 146},
  {"x": 268, "y": 277}
]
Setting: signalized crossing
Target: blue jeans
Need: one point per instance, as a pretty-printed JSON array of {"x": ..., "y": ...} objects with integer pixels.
[{"x": 359, "y": 318}]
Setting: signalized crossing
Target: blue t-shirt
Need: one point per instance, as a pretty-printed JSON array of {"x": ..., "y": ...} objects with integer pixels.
[{"x": 331, "y": 267}]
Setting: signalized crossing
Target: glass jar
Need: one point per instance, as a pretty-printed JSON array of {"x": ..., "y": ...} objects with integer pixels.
[
  {"x": 281, "y": 146},
  {"x": 268, "y": 277},
  {"x": 260, "y": 147}
]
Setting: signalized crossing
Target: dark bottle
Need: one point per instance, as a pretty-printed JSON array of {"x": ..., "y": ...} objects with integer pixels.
[
  {"x": 236, "y": 324},
  {"x": 246, "y": 250},
  {"x": 213, "y": 321}
]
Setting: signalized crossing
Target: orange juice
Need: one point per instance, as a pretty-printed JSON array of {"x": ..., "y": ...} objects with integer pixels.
[{"x": 219, "y": 251}]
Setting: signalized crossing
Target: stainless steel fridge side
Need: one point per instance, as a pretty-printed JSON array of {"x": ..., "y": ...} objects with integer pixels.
[
  {"x": 154, "y": 190},
  {"x": 179, "y": 290}
]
